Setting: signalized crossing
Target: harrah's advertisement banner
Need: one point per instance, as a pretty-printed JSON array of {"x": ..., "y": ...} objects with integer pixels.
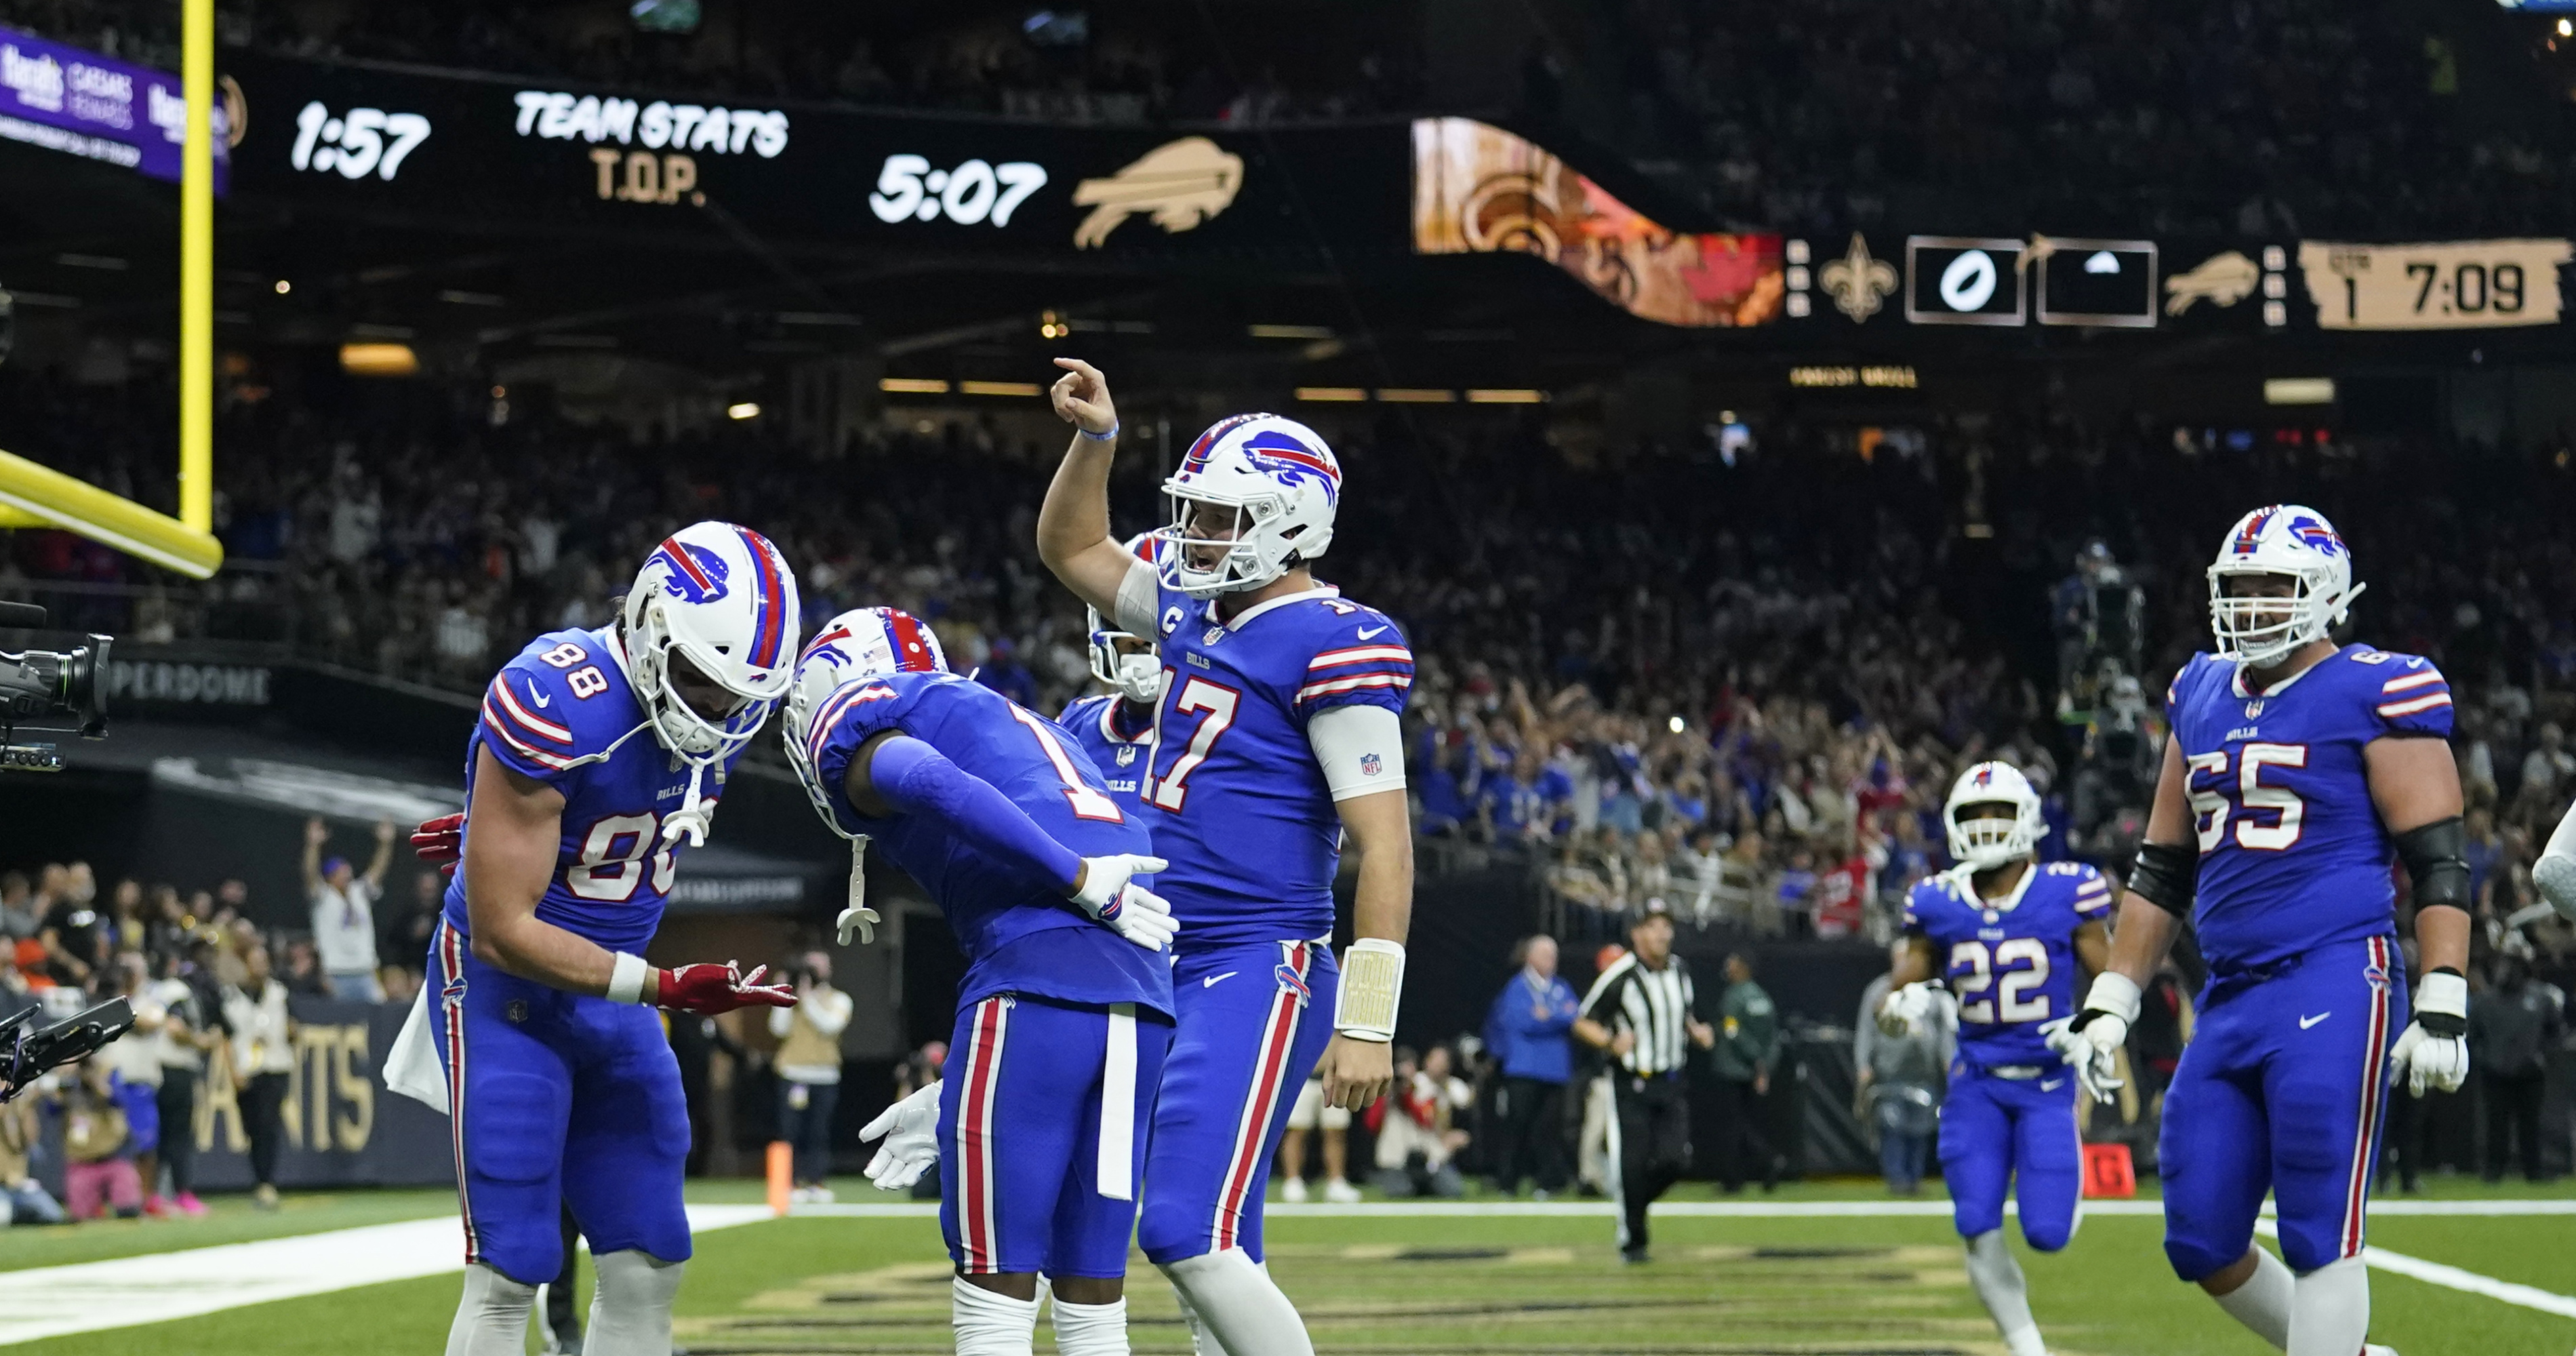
[{"x": 65, "y": 99}]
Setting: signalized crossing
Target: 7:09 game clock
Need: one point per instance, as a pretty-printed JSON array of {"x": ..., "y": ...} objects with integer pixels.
[{"x": 2456, "y": 285}]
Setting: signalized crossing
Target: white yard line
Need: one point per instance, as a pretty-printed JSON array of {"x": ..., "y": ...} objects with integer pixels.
[
  {"x": 156, "y": 1287},
  {"x": 1719, "y": 1209},
  {"x": 2453, "y": 1278}
]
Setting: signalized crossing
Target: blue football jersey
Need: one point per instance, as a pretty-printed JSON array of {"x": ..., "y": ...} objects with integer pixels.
[
  {"x": 2010, "y": 962},
  {"x": 2292, "y": 853},
  {"x": 564, "y": 713},
  {"x": 1019, "y": 933},
  {"x": 1122, "y": 754},
  {"x": 1240, "y": 807}
]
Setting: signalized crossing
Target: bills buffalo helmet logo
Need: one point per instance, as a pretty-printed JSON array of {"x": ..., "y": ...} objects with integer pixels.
[
  {"x": 691, "y": 573},
  {"x": 1283, "y": 456},
  {"x": 2377, "y": 974},
  {"x": 1985, "y": 777},
  {"x": 1292, "y": 982},
  {"x": 2317, "y": 536}
]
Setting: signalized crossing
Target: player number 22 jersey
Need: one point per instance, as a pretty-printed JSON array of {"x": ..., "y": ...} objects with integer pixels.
[{"x": 2011, "y": 962}]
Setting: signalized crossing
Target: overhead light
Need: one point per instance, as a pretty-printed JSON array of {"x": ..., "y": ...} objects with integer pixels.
[
  {"x": 818, "y": 318},
  {"x": 1676, "y": 725},
  {"x": 1407, "y": 395},
  {"x": 379, "y": 360},
  {"x": 2299, "y": 391},
  {"x": 453, "y": 297},
  {"x": 108, "y": 262},
  {"x": 1289, "y": 331},
  {"x": 2567, "y": 28},
  {"x": 998, "y": 388},
  {"x": 1052, "y": 326},
  {"x": 747, "y": 409},
  {"x": 1331, "y": 394},
  {"x": 1492, "y": 396},
  {"x": 284, "y": 287},
  {"x": 912, "y": 386}
]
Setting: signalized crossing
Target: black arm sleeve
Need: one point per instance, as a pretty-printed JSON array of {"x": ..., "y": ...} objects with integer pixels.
[
  {"x": 2166, "y": 875},
  {"x": 2436, "y": 857}
]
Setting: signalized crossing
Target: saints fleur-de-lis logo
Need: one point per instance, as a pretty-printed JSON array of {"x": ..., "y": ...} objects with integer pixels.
[{"x": 1858, "y": 283}]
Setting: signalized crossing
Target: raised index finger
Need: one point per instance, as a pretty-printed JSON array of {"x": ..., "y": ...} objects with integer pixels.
[{"x": 1079, "y": 366}]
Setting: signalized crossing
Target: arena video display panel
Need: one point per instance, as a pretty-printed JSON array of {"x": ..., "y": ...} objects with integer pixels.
[
  {"x": 1479, "y": 189},
  {"x": 64, "y": 98},
  {"x": 445, "y": 145}
]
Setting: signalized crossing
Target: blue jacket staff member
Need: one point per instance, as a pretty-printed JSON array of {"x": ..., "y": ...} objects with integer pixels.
[{"x": 1528, "y": 1032}]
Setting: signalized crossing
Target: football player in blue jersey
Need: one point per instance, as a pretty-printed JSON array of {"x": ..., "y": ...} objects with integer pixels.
[
  {"x": 1117, "y": 727},
  {"x": 597, "y": 759},
  {"x": 2003, "y": 933},
  {"x": 2297, "y": 769},
  {"x": 1066, "y": 1009},
  {"x": 1277, "y": 737}
]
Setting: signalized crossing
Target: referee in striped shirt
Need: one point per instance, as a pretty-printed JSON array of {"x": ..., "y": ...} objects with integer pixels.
[{"x": 1642, "y": 1012}]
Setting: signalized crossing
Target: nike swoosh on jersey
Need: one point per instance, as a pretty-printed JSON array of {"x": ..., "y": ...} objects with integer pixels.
[
  {"x": 1210, "y": 981},
  {"x": 2306, "y": 1022},
  {"x": 1370, "y": 632},
  {"x": 538, "y": 695},
  {"x": 2052, "y": 1086}
]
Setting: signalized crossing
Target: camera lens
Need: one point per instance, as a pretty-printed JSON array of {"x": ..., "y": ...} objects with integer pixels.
[{"x": 84, "y": 696}]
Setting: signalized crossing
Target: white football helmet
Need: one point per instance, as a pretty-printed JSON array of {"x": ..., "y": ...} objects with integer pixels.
[
  {"x": 723, "y": 596},
  {"x": 861, "y": 643},
  {"x": 1984, "y": 844},
  {"x": 2292, "y": 541},
  {"x": 1136, "y": 675},
  {"x": 1280, "y": 482}
]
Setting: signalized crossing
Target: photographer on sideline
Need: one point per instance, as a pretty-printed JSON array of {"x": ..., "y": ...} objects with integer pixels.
[{"x": 809, "y": 1071}]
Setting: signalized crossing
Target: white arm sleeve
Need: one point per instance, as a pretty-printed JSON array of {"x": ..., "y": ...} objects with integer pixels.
[
  {"x": 1137, "y": 595},
  {"x": 1360, "y": 748}
]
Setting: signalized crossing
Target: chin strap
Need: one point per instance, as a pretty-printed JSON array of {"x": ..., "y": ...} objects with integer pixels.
[{"x": 691, "y": 818}]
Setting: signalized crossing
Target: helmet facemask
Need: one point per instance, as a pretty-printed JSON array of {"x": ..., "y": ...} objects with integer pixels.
[
  {"x": 1126, "y": 662},
  {"x": 680, "y": 727},
  {"x": 2261, "y": 629},
  {"x": 1987, "y": 841},
  {"x": 1202, "y": 564}
]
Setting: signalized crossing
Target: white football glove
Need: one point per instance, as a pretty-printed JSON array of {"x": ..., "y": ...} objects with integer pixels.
[
  {"x": 2434, "y": 1051},
  {"x": 2109, "y": 1008},
  {"x": 2093, "y": 1068},
  {"x": 1109, "y": 894},
  {"x": 911, "y": 1131},
  {"x": 1907, "y": 1012}
]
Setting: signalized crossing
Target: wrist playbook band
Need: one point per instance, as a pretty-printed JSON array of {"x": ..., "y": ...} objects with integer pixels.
[{"x": 1372, "y": 984}]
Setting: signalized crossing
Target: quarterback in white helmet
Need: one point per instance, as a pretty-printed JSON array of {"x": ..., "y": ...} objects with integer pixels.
[{"x": 1276, "y": 739}]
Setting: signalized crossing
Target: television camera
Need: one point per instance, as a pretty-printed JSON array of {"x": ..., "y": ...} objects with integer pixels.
[{"x": 39, "y": 689}]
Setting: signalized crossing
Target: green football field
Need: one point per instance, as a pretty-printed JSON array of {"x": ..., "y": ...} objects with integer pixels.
[{"x": 1880, "y": 1284}]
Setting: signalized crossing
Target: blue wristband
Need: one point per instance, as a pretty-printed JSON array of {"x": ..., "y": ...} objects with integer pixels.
[{"x": 1097, "y": 437}]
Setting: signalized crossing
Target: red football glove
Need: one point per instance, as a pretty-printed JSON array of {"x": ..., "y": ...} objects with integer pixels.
[
  {"x": 440, "y": 840},
  {"x": 708, "y": 988}
]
